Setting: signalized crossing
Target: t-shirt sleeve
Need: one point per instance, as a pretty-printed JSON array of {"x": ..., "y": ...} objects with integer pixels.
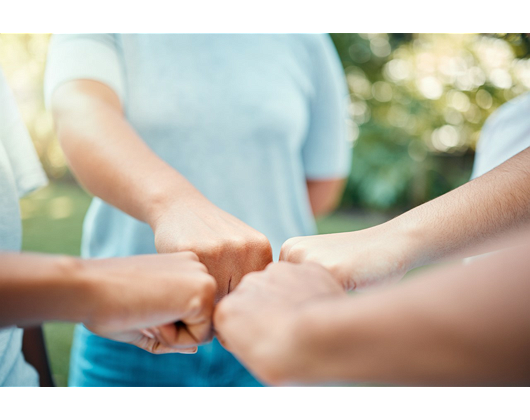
[
  {"x": 505, "y": 134},
  {"x": 16, "y": 142},
  {"x": 327, "y": 149},
  {"x": 84, "y": 56}
]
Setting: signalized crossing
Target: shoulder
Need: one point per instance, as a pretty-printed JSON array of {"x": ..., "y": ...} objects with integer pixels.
[
  {"x": 512, "y": 110},
  {"x": 315, "y": 44},
  {"x": 78, "y": 40}
]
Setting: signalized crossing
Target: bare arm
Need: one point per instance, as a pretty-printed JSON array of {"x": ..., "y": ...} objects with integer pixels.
[
  {"x": 136, "y": 299},
  {"x": 462, "y": 325},
  {"x": 36, "y": 288},
  {"x": 475, "y": 213},
  {"x": 114, "y": 163},
  {"x": 324, "y": 195},
  {"x": 101, "y": 146},
  {"x": 34, "y": 350}
]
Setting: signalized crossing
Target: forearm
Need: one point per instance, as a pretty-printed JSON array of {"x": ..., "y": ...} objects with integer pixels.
[
  {"x": 107, "y": 155},
  {"x": 34, "y": 350},
  {"x": 463, "y": 325},
  {"x": 35, "y": 289},
  {"x": 475, "y": 213}
]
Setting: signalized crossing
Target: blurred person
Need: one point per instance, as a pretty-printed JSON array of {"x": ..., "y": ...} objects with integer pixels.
[
  {"x": 136, "y": 300},
  {"x": 459, "y": 325},
  {"x": 225, "y": 145}
]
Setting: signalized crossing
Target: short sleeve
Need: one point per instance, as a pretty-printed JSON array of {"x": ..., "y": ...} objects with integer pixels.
[
  {"x": 327, "y": 150},
  {"x": 505, "y": 134},
  {"x": 16, "y": 142},
  {"x": 84, "y": 56}
]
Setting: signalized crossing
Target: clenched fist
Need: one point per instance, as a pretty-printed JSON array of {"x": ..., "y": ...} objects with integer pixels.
[
  {"x": 228, "y": 247},
  {"x": 160, "y": 303},
  {"x": 260, "y": 321},
  {"x": 357, "y": 259}
]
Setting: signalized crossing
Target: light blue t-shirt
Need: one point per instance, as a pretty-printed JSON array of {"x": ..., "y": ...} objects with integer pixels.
[
  {"x": 245, "y": 118},
  {"x": 20, "y": 173}
]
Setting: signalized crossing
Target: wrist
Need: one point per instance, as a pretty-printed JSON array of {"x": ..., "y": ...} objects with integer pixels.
[
  {"x": 102, "y": 292},
  {"x": 407, "y": 235},
  {"x": 310, "y": 335},
  {"x": 163, "y": 198},
  {"x": 76, "y": 291}
]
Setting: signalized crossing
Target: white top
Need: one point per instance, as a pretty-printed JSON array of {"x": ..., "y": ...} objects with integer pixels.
[
  {"x": 20, "y": 173},
  {"x": 506, "y": 133}
]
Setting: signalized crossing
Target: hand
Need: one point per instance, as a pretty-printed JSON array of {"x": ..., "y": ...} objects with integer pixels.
[
  {"x": 160, "y": 303},
  {"x": 228, "y": 247},
  {"x": 259, "y": 321},
  {"x": 357, "y": 259}
]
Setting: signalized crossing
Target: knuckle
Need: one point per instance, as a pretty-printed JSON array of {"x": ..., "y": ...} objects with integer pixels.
[
  {"x": 253, "y": 277},
  {"x": 205, "y": 294},
  {"x": 207, "y": 286},
  {"x": 213, "y": 248},
  {"x": 189, "y": 255},
  {"x": 295, "y": 253},
  {"x": 239, "y": 243},
  {"x": 288, "y": 249},
  {"x": 222, "y": 311}
]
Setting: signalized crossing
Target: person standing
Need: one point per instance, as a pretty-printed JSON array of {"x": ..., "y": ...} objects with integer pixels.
[{"x": 224, "y": 145}]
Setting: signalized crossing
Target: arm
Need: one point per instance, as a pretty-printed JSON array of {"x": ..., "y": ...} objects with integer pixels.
[
  {"x": 113, "y": 163},
  {"x": 463, "y": 325},
  {"x": 135, "y": 300},
  {"x": 34, "y": 349},
  {"x": 324, "y": 195},
  {"x": 475, "y": 213}
]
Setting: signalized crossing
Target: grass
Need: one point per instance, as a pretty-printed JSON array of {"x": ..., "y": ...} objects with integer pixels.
[{"x": 52, "y": 220}]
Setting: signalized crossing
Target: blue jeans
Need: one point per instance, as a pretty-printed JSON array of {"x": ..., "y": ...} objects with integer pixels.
[{"x": 96, "y": 361}]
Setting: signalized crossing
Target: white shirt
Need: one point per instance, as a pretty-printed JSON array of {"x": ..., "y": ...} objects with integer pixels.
[
  {"x": 505, "y": 134},
  {"x": 20, "y": 173}
]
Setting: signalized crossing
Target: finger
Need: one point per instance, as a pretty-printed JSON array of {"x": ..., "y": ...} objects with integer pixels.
[
  {"x": 194, "y": 332},
  {"x": 153, "y": 345},
  {"x": 222, "y": 341},
  {"x": 172, "y": 336}
]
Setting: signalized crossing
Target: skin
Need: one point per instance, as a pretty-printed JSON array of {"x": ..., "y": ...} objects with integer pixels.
[
  {"x": 459, "y": 325},
  {"x": 324, "y": 194},
  {"x": 160, "y": 303},
  {"x": 475, "y": 213},
  {"x": 113, "y": 163},
  {"x": 34, "y": 351}
]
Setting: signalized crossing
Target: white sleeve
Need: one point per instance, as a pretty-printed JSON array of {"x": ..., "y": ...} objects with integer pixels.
[
  {"x": 327, "y": 150},
  {"x": 16, "y": 141},
  {"x": 85, "y": 56},
  {"x": 505, "y": 134}
]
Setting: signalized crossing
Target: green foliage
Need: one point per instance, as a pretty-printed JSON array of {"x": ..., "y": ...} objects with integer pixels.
[{"x": 418, "y": 104}]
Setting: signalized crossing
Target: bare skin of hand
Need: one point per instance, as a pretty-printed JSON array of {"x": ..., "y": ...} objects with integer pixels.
[
  {"x": 227, "y": 246},
  {"x": 265, "y": 307},
  {"x": 160, "y": 303},
  {"x": 453, "y": 225},
  {"x": 357, "y": 259}
]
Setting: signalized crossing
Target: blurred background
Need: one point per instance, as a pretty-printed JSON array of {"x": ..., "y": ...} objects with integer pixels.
[{"x": 418, "y": 103}]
